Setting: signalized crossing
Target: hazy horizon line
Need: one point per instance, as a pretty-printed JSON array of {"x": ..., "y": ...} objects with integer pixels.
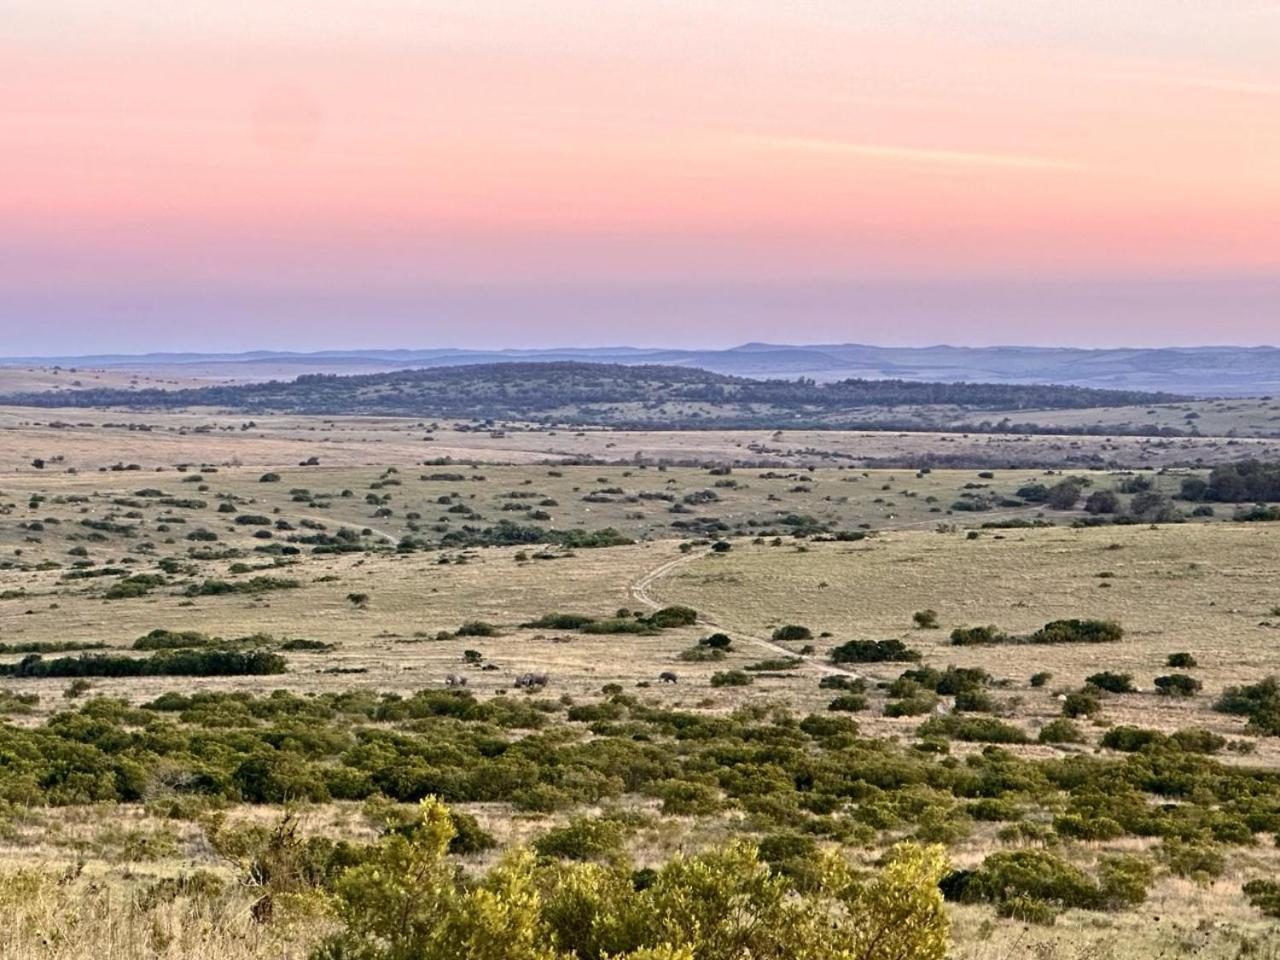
[{"x": 321, "y": 352}]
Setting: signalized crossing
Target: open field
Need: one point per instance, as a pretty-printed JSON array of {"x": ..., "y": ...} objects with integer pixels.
[
  {"x": 373, "y": 577},
  {"x": 94, "y": 439},
  {"x": 35, "y": 379},
  {"x": 1231, "y": 417}
]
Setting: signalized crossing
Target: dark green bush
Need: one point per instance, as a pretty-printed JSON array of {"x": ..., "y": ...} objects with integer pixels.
[
  {"x": 560, "y": 621},
  {"x": 584, "y": 838},
  {"x": 1111, "y": 682},
  {"x": 1260, "y": 702},
  {"x": 848, "y": 703},
  {"x": 1263, "y": 895},
  {"x": 192, "y": 663},
  {"x": 476, "y": 628},
  {"x": 1078, "y": 631},
  {"x": 791, "y": 633},
  {"x": 873, "y": 651},
  {"x": 977, "y": 636},
  {"x": 676, "y": 616},
  {"x": 1081, "y": 703},
  {"x": 1060, "y": 731},
  {"x": 1178, "y": 685},
  {"x": 974, "y": 729}
]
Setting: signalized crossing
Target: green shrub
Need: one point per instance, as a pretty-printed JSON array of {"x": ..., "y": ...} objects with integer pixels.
[
  {"x": 1263, "y": 895},
  {"x": 848, "y": 703},
  {"x": 1178, "y": 685},
  {"x": 874, "y": 651},
  {"x": 1132, "y": 739},
  {"x": 262, "y": 584},
  {"x": 1192, "y": 859},
  {"x": 977, "y": 636},
  {"x": 1037, "y": 876},
  {"x": 138, "y": 585},
  {"x": 584, "y": 838},
  {"x": 791, "y": 633},
  {"x": 1111, "y": 682},
  {"x": 1081, "y": 703},
  {"x": 1182, "y": 660},
  {"x": 701, "y": 654},
  {"x": 476, "y": 628},
  {"x": 925, "y": 619},
  {"x": 913, "y": 705},
  {"x": 1060, "y": 731},
  {"x": 840, "y": 681},
  {"x": 560, "y": 621},
  {"x": 160, "y": 639},
  {"x": 731, "y": 678},
  {"x": 676, "y": 616},
  {"x": 1260, "y": 702},
  {"x": 1123, "y": 881},
  {"x": 1078, "y": 631},
  {"x": 973, "y": 729},
  {"x": 192, "y": 663}
]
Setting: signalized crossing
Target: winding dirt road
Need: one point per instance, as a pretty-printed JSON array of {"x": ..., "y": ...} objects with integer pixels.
[{"x": 639, "y": 592}]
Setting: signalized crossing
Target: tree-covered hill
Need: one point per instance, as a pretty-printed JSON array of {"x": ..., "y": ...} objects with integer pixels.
[{"x": 598, "y": 393}]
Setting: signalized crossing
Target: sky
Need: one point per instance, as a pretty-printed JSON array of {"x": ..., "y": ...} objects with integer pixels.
[{"x": 282, "y": 174}]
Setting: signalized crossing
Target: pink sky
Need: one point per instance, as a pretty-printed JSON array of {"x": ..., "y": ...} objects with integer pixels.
[{"x": 513, "y": 172}]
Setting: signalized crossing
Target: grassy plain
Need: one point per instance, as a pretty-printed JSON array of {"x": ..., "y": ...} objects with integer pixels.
[
  {"x": 1206, "y": 587},
  {"x": 88, "y": 439}
]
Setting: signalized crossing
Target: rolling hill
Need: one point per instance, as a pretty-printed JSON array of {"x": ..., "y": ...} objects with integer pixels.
[{"x": 575, "y": 392}]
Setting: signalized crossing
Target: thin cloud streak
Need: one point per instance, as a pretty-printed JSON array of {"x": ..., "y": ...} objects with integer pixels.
[
  {"x": 931, "y": 155},
  {"x": 1229, "y": 86}
]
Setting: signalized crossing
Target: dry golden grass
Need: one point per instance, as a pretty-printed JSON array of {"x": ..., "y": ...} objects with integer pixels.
[
  {"x": 1207, "y": 590},
  {"x": 47, "y": 917}
]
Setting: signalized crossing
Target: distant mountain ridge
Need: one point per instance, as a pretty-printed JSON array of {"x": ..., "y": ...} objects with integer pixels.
[{"x": 1201, "y": 371}]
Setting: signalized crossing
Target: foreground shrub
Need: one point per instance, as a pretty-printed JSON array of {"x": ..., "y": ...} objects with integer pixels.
[
  {"x": 1035, "y": 884},
  {"x": 408, "y": 902}
]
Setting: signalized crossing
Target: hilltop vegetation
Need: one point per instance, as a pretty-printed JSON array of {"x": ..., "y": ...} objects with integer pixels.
[{"x": 608, "y": 394}]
